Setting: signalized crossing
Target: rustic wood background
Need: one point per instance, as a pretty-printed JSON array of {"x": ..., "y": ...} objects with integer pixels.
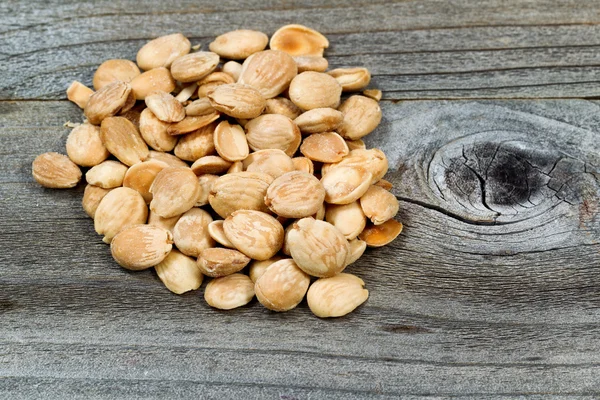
[{"x": 492, "y": 291}]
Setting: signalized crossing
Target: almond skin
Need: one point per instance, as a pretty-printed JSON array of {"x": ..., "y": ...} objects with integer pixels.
[{"x": 56, "y": 171}]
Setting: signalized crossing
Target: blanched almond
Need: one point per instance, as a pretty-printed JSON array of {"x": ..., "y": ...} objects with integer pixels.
[
  {"x": 327, "y": 147},
  {"x": 356, "y": 249},
  {"x": 237, "y": 166},
  {"x": 361, "y": 117},
  {"x": 190, "y": 233},
  {"x": 195, "y": 66},
  {"x": 273, "y": 131},
  {"x": 92, "y": 195},
  {"x": 303, "y": 164},
  {"x": 85, "y": 147},
  {"x": 211, "y": 81},
  {"x": 210, "y": 165},
  {"x": 179, "y": 273},
  {"x": 373, "y": 160},
  {"x": 216, "y": 231},
  {"x": 239, "y": 191},
  {"x": 141, "y": 246},
  {"x": 162, "y": 51},
  {"x": 295, "y": 195},
  {"x": 197, "y": 144},
  {"x": 299, "y": 40},
  {"x": 336, "y": 296},
  {"x": 311, "y": 90},
  {"x": 154, "y": 131},
  {"x": 343, "y": 185},
  {"x": 119, "y": 209},
  {"x": 273, "y": 162},
  {"x": 356, "y": 144},
  {"x": 233, "y": 69},
  {"x": 379, "y": 205},
  {"x": 106, "y": 102},
  {"x": 282, "y": 286},
  {"x": 192, "y": 123},
  {"x": 79, "y": 94},
  {"x": 107, "y": 175},
  {"x": 174, "y": 191},
  {"x": 54, "y": 170},
  {"x": 237, "y": 100},
  {"x": 165, "y": 107},
  {"x": 199, "y": 107},
  {"x": 319, "y": 120},
  {"x": 347, "y": 218},
  {"x": 206, "y": 182},
  {"x": 230, "y": 142},
  {"x": 256, "y": 234},
  {"x": 150, "y": 81},
  {"x": 165, "y": 223},
  {"x": 380, "y": 235},
  {"x": 351, "y": 79},
  {"x": 167, "y": 158},
  {"x": 311, "y": 63},
  {"x": 258, "y": 268},
  {"x": 141, "y": 176},
  {"x": 217, "y": 262},
  {"x": 114, "y": 70},
  {"x": 374, "y": 94},
  {"x": 239, "y": 44},
  {"x": 270, "y": 72},
  {"x": 283, "y": 106},
  {"x": 229, "y": 292},
  {"x": 122, "y": 139}
]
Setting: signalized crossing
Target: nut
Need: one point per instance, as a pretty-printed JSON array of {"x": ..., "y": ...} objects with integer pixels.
[
  {"x": 347, "y": 218},
  {"x": 311, "y": 63},
  {"x": 85, "y": 147},
  {"x": 79, "y": 94},
  {"x": 179, "y": 273},
  {"x": 283, "y": 106},
  {"x": 361, "y": 117},
  {"x": 92, "y": 195},
  {"x": 239, "y": 44},
  {"x": 380, "y": 235},
  {"x": 319, "y": 120},
  {"x": 229, "y": 292},
  {"x": 187, "y": 92},
  {"x": 107, "y": 175},
  {"x": 336, "y": 296},
  {"x": 256, "y": 234},
  {"x": 141, "y": 176},
  {"x": 303, "y": 164},
  {"x": 154, "y": 131},
  {"x": 351, "y": 79},
  {"x": 106, "y": 102},
  {"x": 192, "y": 123},
  {"x": 373, "y": 160},
  {"x": 273, "y": 131},
  {"x": 141, "y": 246},
  {"x": 165, "y": 223},
  {"x": 318, "y": 247},
  {"x": 57, "y": 171},
  {"x": 239, "y": 191},
  {"x": 374, "y": 94},
  {"x": 174, "y": 191},
  {"x": 295, "y": 195},
  {"x": 167, "y": 158},
  {"x": 211, "y": 81},
  {"x": 195, "y": 66},
  {"x": 210, "y": 165},
  {"x": 379, "y": 205},
  {"x": 190, "y": 233},
  {"x": 270, "y": 72},
  {"x": 162, "y": 51},
  {"x": 237, "y": 100},
  {"x": 311, "y": 90},
  {"x": 150, "y": 81},
  {"x": 387, "y": 185},
  {"x": 258, "y": 268},
  {"x": 216, "y": 231},
  {"x": 327, "y": 147},
  {"x": 282, "y": 286},
  {"x": 237, "y": 166},
  {"x": 230, "y": 142},
  {"x": 272, "y": 162},
  {"x": 356, "y": 144},
  {"x": 343, "y": 185},
  {"x": 217, "y": 262},
  {"x": 206, "y": 182},
  {"x": 122, "y": 139},
  {"x": 199, "y": 107},
  {"x": 114, "y": 70},
  {"x": 165, "y": 107},
  {"x": 197, "y": 144},
  {"x": 356, "y": 248},
  {"x": 233, "y": 69},
  {"x": 119, "y": 209},
  {"x": 299, "y": 40}
]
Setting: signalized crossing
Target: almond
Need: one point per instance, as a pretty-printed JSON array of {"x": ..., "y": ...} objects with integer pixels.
[
  {"x": 54, "y": 170},
  {"x": 122, "y": 139}
]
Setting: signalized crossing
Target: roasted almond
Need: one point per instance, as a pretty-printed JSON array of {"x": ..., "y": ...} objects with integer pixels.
[
  {"x": 327, "y": 147},
  {"x": 295, "y": 195},
  {"x": 114, "y": 70},
  {"x": 150, "y": 81},
  {"x": 216, "y": 231},
  {"x": 380, "y": 235},
  {"x": 210, "y": 165},
  {"x": 319, "y": 120},
  {"x": 79, "y": 94},
  {"x": 107, "y": 175},
  {"x": 229, "y": 292},
  {"x": 167, "y": 158},
  {"x": 206, "y": 182},
  {"x": 233, "y": 69},
  {"x": 141, "y": 246},
  {"x": 356, "y": 144},
  {"x": 122, "y": 139},
  {"x": 282, "y": 286},
  {"x": 174, "y": 191},
  {"x": 92, "y": 195},
  {"x": 356, "y": 249},
  {"x": 211, "y": 81},
  {"x": 336, "y": 296},
  {"x": 379, "y": 205},
  {"x": 273, "y": 131},
  {"x": 347, "y": 218},
  {"x": 239, "y": 191},
  {"x": 311, "y": 90},
  {"x": 179, "y": 273},
  {"x": 343, "y": 185},
  {"x": 303, "y": 164},
  {"x": 230, "y": 142},
  {"x": 257, "y": 268},
  {"x": 165, "y": 223},
  {"x": 237, "y": 100},
  {"x": 373, "y": 160},
  {"x": 155, "y": 132},
  {"x": 165, "y": 107},
  {"x": 270, "y": 72},
  {"x": 217, "y": 262},
  {"x": 195, "y": 66},
  {"x": 56, "y": 171},
  {"x": 162, "y": 51},
  {"x": 141, "y": 176},
  {"x": 197, "y": 144},
  {"x": 374, "y": 94},
  {"x": 299, "y": 40},
  {"x": 272, "y": 162},
  {"x": 311, "y": 63},
  {"x": 239, "y": 44},
  {"x": 256, "y": 234},
  {"x": 106, "y": 102},
  {"x": 361, "y": 117},
  {"x": 190, "y": 233},
  {"x": 119, "y": 209},
  {"x": 85, "y": 147},
  {"x": 199, "y": 107},
  {"x": 351, "y": 79}
]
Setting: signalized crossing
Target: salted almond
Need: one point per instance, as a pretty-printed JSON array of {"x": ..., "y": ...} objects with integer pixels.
[
  {"x": 197, "y": 144},
  {"x": 374, "y": 94},
  {"x": 187, "y": 92},
  {"x": 273, "y": 131},
  {"x": 192, "y": 123},
  {"x": 129, "y": 104},
  {"x": 328, "y": 147},
  {"x": 216, "y": 231},
  {"x": 167, "y": 158},
  {"x": 319, "y": 120},
  {"x": 119, "y": 209},
  {"x": 311, "y": 63},
  {"x": 141, "y": 247},
  {"x": 166, "y": 223},
  {"x": 343, "y": 185},
  {"x": 150, "y": 81},
  {"x": 114, "y": 70},
  {"x": 303, "y": 164},
  {"x": 239, "y": 191},
  {"x": 233, "y": 69},
  {"x": 380, "y": 235},
  {"x": 311, "y": 90},
  {"x": 347, "y": 218},
  {"x": 229, "y": 292},
  {"x": 211, "y": 81},
  {"x": 195, "y": 66},
  {"x": 317, "y": 247},
  {"x": 387, "y": 185},
  {"x": 283, "y": 106},
  {"x": 295, "y": 195},
  {"x": 258, "y": 268},
  {"x": 179, "y": 273},
  {"x": 272, "y": 162},
  {"x": 217, "y": 262},
  {"x": 373, "y": 160},
  {"x": 206, "y": 182},
  {"x": 140, "y": 177},
  {"x": 230, "y": 142},
  {"x": 133, "y": 114},
  {"x": 85, "y": 147},
  {"x": 199, "y": 107},
  {"x": 174, "y": 191},
  {"x": 122, "y": 139},
  {"x": 237, "y": 166},
  {"x": 107, "y": 175},
  {"x": 190, "y": 233},
  {"x": 56, "y": 171},
  {"x": 356, "y": 144},
  {"x": 162, "y": 51},
  {"x": 356, "y": 249},
  {"x": 92, "y": 195},
  {"x": 270, "y": 72},
  {"x": 256, "y": 234},
  {"x": 210, "y": 165},
  {"x": 237, "y": 100},
  {"x": 336, "y": 296},
  {"x": 379, "y": 205},
  {"x": 155, "y": 132},
  {"x": 165, "y": 107},
  {"x": 106, "y": 102},
  {"x": 299, "y": 40},
  {"x": 239, "y": 44},
  {"x": 282, "y": 286},
  {"x": 361, "y": 116},
  {"x": 351, "y": 79},
  {"x": 79, "y": 94}
]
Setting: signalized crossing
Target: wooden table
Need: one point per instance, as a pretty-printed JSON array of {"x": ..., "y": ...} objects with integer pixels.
[{"x": 492, "y": 291}]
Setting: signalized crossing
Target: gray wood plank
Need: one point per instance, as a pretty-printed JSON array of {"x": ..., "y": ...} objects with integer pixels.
[{"x": 460, "y": 305}]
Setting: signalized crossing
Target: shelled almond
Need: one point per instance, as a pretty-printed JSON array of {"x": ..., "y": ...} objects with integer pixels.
[{"x": 241, "y": 158}]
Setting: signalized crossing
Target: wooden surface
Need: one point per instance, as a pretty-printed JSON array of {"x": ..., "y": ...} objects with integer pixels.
[{"x": 492, "y": 291}]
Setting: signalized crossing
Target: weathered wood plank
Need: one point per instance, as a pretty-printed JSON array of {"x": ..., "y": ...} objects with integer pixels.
[{"x": 458, "y": 308}]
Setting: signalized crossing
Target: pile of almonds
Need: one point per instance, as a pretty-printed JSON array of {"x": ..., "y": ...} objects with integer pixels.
[{"x": 279, "y": 180}]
